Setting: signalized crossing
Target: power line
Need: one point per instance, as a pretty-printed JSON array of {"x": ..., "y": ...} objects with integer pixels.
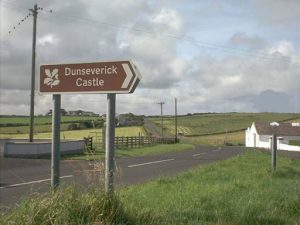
[
  {"x": 19, "y": 23},
  {"x": 24, "y": 19},
  {"x": 185, "y": 38},
  {"x": 195, "y": 42}
]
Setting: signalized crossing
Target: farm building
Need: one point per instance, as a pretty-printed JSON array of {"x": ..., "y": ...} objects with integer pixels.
[{"x": 258, "y": 135}]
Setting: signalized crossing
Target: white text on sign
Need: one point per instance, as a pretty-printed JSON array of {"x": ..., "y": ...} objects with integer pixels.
[{"x": 91, "y": 71}]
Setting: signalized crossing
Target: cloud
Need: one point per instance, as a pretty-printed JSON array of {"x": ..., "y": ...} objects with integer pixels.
[
  {"x": 241, "y": 39},
  {"x": 153, "y": 35},
  {"x": 65, "y": 36},
  {"x": 48, "y": 39},
  {"x": 272, "y": 101},
  {"x": 155, "y": 50},
  {"x": 222, "y": 80},
  {"x": 278, "y": 12}
]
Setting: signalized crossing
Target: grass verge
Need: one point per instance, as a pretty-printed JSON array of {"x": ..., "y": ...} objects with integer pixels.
[
  {"x": 241, "y": 191},
  {"x": 99, "y": 154}
]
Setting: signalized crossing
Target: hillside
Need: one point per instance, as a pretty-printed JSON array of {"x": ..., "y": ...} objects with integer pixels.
[
  {"x": 217, "y": 128},
  {"x": 216, "y": 123}
]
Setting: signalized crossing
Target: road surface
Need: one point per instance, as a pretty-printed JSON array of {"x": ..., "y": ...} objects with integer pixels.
[{"x": 20, "y": 177}]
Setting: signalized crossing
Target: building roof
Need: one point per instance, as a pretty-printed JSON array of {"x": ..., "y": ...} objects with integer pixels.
[{"x": 282, "y": 129}]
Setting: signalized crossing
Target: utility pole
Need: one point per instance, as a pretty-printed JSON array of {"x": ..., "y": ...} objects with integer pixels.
[
  {"x": 34, "y": 13},
  {"x": 162, "y": 120},
  {"x": 176, "y": 133}
]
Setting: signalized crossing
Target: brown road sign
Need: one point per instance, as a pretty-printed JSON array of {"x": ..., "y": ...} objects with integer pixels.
[{"x": 118, "y": 77}]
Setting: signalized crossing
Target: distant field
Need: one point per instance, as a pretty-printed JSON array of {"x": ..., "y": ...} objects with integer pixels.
[
  {"x": 196, "y": 125},
  {"x": 20, "y": 124},
  {"x": 217, "y": 129},
  {"x": 42, "y": 119},
  {"x": 25, "y": 129},
  {"x": 80, "y": 134},
  {"x": 235, "y": 138}
]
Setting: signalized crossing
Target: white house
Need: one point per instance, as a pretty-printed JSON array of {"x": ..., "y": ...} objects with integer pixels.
[{"x": 258, "y": 135}]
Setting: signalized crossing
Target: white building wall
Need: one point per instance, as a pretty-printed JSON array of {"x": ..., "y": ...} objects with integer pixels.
[
  {"x": 35, "y": 149},
  {"x": 282, "y": 146},
  {"x": 252, "y": 139}
]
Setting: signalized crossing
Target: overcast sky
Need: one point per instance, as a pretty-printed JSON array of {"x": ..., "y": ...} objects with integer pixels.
[{"x": 213, "y": 56}]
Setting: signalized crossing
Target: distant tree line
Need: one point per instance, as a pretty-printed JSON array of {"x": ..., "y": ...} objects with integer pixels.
[{"x": 73, "y": 113}]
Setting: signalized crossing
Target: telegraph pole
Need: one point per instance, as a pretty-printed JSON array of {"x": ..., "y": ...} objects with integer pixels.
[
  {"x": 161, "y": 115},
  {"x": 176, "y": 133},
  {"x": 34, "y": 13}
]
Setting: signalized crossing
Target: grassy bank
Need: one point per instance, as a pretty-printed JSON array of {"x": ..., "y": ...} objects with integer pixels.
[{"x": 241, "y": 191}]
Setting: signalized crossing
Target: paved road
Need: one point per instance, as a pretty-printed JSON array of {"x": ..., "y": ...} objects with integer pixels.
[{"x": 20, "y": 177}]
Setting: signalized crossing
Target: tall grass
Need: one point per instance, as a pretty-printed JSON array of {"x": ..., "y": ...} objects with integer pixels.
[
  {"x": 68, "y": 206},
  {"x": 240, "y": 191}
]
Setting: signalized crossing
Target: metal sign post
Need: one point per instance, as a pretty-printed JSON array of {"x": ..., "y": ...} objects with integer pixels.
[
  {"x": 55, "y": 147},
  {"x": 274, "y": 151},
  {"x": 110, "y": 144}
]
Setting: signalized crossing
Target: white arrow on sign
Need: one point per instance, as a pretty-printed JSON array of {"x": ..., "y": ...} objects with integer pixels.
[{"x": 129, "y": 75}]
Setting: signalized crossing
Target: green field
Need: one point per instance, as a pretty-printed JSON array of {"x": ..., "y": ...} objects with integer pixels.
[
  {"x": 238, "y": 191},
  {"x": 220, "y": 128},
  {"x": 42, "y": 119},
  {"x": 80, "y": 134},
  {"x": 220, "y": 123},
  {"x": 211, "y": 129},
  {"x": 295, "y": 142},
  {"x": 25, "y": 129},
  {"x": 20, "y": 124},
  {"x": 235, "y": 138}
]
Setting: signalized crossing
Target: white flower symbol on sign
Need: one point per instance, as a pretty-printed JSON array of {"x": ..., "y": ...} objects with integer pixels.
[{"x": 52, "y": 77}]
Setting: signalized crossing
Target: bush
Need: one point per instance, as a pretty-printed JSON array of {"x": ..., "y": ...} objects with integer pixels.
[
  {"x": 73, "y": 126},
  {"x": 86, "y": 125}
]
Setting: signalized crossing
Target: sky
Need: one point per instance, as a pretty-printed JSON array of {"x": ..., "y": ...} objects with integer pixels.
[{"x": 213, "y": 56}]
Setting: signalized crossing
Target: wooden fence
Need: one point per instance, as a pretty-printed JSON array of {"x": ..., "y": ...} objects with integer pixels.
[
  {"x": 128, "y": 142},
  {"x": 140, "y": 141}
]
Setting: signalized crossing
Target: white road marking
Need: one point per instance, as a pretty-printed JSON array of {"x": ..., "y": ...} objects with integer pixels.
[
  {"x": 148, "y": 163},
  {"x": 203, "y": 153},
  {"x": 32, "y": 182},
  {"x": 216, "y": 150}
]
